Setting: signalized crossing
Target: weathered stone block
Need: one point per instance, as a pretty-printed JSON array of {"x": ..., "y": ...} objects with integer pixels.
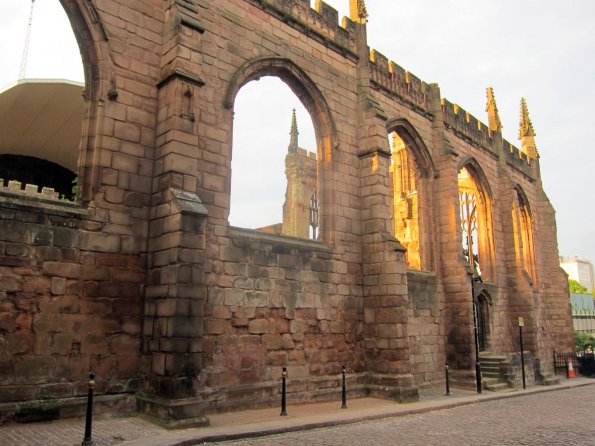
[{"x": 259, "y": 326}]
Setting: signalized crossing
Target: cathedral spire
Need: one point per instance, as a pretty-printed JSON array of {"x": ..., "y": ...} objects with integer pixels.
[
  {"x": 293, "y": 142},
  {"x": 526, "y": 132},
  {"x": 357, "y": 11},
  {"x": 493, "y": 117}
]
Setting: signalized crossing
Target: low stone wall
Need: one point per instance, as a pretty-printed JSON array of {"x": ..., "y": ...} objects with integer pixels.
[
  {"x": 426, "y": 327},
  {"x": 66, "y": 308}
]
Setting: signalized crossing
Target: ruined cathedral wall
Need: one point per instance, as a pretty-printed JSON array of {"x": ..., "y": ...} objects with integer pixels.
[
  {"x": 403, "y": 97},
  {"x": 72, "y": 274},
  {"x": 70, "y": 303},
  {"x": 494, "y": 272},
  {"x": 550, "y": 303},
  {"x": 275, "y": 301}
]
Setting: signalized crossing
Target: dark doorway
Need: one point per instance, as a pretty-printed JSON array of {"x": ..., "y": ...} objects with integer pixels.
[{"x": 483, "y": 322}]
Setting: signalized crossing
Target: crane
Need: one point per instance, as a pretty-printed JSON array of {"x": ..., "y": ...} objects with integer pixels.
[{"x": 25, "y": 54}]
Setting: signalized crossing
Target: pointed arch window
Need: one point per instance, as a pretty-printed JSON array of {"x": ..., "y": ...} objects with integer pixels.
[
  {"x": 404, "y": 173},
  {"x": 476, "y": 226},
  {"x": 468, "y": 209},
  {"x": 523, "y": 229}
]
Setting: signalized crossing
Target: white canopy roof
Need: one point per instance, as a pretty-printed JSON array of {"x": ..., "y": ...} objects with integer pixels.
[{"x": 42, "y": 118}]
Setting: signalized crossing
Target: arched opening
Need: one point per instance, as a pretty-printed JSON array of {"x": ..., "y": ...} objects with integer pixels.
[
  {"x": 47, "y": 112},
  {"x": 483, "y": 321},
  {"x": 286, "y": 157},
  {"x": 411, "y": 166},
  {"x": 523, "y": 234},
  {"x": 274, "y": 180},
  {"x": 476, "y": 221},
  {"x": 404, "y": 178}
]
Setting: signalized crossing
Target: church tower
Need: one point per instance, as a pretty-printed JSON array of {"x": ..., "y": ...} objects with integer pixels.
[{"x": 300, "y": 210}]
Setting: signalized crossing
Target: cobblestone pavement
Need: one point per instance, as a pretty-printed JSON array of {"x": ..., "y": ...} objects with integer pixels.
[
  {"x": 106, "y": 432},
  {"x": 550, "y": 418}
]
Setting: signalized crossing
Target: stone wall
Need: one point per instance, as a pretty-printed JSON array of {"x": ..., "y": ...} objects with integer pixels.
[
  {"x": 144, "y": 281},
  {"x": 70, "y": 299},
  {"x": 426, "y": 332}
]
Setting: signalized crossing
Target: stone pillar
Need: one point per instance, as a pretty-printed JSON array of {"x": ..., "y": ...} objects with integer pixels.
[
  {"x": 453, "y": 270},
  {"x": 386, "y": 338},
  {"x": 175, "y": 291}
]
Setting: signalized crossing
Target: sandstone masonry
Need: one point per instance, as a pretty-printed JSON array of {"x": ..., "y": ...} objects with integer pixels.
[{"x": 143, "y": 280}]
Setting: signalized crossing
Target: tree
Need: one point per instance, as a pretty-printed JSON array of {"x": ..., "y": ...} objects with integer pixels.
[
  {"x": 583, "y": 340},
  {"x": 576, "y": 288}
]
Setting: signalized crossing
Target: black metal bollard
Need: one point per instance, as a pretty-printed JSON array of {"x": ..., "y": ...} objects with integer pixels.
[
  {"x": 283, "y": 394},
  {"x": 344, "y": 392},
  {"x": 88, "y": 440},
  {"x": 447, "y": 378}
]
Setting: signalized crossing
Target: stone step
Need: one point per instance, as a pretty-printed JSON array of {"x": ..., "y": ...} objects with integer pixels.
[
  {"x": 551, "y": 380},
  {"x": 496, "y": 387},
  {"x": 492, "y": 358},
  {"x": 490, "y": 366}
]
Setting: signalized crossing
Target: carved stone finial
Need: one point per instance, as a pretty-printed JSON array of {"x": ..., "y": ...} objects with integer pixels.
[
  {"x": 358, "y": 11},
  {"x": 526, "y": 126},
  {"x": 493, "y": 117},
  {"x": 362, "y": 12},
  {"x": 526, "y": 132},
  {"x": 293, "y": 142}
]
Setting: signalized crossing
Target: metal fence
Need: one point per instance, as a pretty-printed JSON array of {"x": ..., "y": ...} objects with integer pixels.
[
  {"x": 583, "y": 363},
  {"x": 561, "y": 361}
]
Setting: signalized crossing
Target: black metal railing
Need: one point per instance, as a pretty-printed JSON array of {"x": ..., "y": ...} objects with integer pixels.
[{"x": 562, "y": 361}]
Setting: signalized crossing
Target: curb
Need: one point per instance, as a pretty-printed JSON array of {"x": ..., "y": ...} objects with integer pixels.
[{"x": 267, "y": 428}]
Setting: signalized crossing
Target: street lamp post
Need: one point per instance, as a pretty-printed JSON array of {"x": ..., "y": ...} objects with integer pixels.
[{"x": 474, "y": 279}]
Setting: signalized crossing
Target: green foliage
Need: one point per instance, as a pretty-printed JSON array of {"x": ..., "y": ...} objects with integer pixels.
[
  {"x": 75, "y": 188},
  {"x": 583, "y": 340},
  {"x": 576, "y": 288}
]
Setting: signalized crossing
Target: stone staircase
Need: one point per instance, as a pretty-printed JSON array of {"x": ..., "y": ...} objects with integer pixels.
[{"x": 491, "y": 372}]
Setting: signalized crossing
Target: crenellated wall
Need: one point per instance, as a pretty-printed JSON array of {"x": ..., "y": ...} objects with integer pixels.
[
  {"x": 143, "y": 280},
  {"x": 397, "y": 81}
]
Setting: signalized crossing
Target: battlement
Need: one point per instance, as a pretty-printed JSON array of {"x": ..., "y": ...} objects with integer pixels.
[
  {"x": 30, "y": 190},
  {"x": 467, "y": 125},
  {"x": 306, "y": 153},
  {"x": 320, "y": 22},
  {"x": 518, "y": 159},
  {"x": 395, "y": 79}
]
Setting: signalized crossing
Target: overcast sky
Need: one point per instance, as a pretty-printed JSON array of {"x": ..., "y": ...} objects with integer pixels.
[{"x": 543, "y": 50}]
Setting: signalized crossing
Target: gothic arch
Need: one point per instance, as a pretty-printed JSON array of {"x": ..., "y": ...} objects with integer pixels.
[
  {"x": 523, "y": 233},
  {"x": 523, "y": 200},
  {"x": 480, "y": 177},
  {"x": 301, "y": 85},
  {"x": 415, "y": 143},
  {"x": 411, "y": 168},
  {"x": 475, "y": 203},
  {"x": 313, "y": 100},
  {"x": 100, "y": 86},
  {"x": 484, "y": 319}
]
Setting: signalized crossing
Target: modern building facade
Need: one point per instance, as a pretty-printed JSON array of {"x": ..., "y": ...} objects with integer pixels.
[{"x": 579, "y": 269}]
